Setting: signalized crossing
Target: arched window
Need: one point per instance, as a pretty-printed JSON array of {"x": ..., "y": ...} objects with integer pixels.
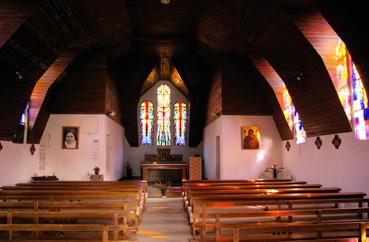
[
  {"x": 163, "y": 119},
  {"x": 351, "y": 92},
  {"x": 147, "y": 122},
  {"x": 180, "y": 118}
]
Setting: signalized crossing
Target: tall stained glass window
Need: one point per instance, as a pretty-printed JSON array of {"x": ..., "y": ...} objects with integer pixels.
[
  {"x": 147, "y": 122},
  {"x": 24, "y": 116},
  {"x": 292, "y": 117},
  {"x": 163, "y": 113},
  {"x": 351, "y": 92},
  {"x": 180, "y": 118}
]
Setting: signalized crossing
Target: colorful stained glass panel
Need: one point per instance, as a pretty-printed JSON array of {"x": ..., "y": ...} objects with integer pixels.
[
  {"x": 292, "y": 117},
  {"x": 147, "y": 122},
  {"x": 351, "y": 92},
  {"x": 180, "y": 119},
  {"x": 163, "y": 137}
]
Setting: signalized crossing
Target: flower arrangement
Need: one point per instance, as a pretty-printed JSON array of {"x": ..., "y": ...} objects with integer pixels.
[{"x": 162, "y": 186}]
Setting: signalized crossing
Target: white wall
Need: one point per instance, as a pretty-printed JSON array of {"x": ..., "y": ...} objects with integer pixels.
[
  {"x": 97, "y": 134},
  {"x": 237, "y": 163},
  {"x": 346, "y": 167},
  {"x": 16, "y": 163},
  {"x": 115, "y": 155},
  {"x": 211, "y": 131}
]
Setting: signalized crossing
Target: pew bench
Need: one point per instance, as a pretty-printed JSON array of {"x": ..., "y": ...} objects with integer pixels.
[
  {"x": 133, "y": 215},
  {"x": 116, "y": 220},
  {"x": 100, "y": 231},
  {"x": 222, "y": 223},
  {"x": 202, "y": 207},
  {"x": 329, "y": 231}
]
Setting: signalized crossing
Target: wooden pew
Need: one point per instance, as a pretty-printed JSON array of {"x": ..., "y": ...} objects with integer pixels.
[
  {"x": 60, "y": 217},
  {"x": 292, "y": 231},
  {"x": 86, "y": 186},
  {"x": 236, "y": 180},
  {"x": 96, "y": 228},
  {"x": 222, "y": 221},
  {"x": 232, "y": 182},
  {"x": 205, "y": 207},
  {"x": 216, "y": 193},
  {"x": 260, "y": 199},
  {"x": 142, "y": 184},
  {"x": 273, "y": 195},
  {"x": 72, "y": 200},
  {"x": 247, "y": 186},
  {"x": 133, "y": 192},
  {"x": 129, "y": 209}
]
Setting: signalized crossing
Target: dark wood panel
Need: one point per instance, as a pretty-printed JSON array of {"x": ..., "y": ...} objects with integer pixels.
[
  {"x": 129, "y": 74},
  {"x": 155, "y": 19},
  {"x": 112, "y": 104},
  {"x": 84, "y": 90},
  {"x": 214, "y": 110},
  {"x": 243, "y": 89},
  {"x": 197, "y": 73},
  {"x": 12, "y": 15}
]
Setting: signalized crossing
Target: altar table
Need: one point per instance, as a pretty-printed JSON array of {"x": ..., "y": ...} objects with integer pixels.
[{"x": 160, "y": 166}]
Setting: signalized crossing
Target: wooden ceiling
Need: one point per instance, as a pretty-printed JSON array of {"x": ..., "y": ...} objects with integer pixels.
[{"x": 43, "y": 42}]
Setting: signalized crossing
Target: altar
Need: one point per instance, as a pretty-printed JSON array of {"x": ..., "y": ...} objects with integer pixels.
[{"x": 163, "y": 166}]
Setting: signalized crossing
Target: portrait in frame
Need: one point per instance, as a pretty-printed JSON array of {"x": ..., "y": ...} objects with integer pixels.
[
  {"x": 250, "y": 137},
  {"x": 70, "y": 137}
]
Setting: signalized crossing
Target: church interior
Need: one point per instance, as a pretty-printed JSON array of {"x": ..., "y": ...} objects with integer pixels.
[{"x": 252, "y": 115}]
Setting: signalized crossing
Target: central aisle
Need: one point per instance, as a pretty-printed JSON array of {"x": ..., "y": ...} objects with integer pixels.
[{"x": 164, "y": 220}]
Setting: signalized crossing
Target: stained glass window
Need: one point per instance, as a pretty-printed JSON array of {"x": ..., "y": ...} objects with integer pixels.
[
  {"x": 163, "y": 119},
  {"x": 292, "y": 117},
  {"x": 24, "y": 116},
  {"x": 147, "y": 122},
  {"x": 351, "y": 92},
  {"x": 180, "y": 118}
]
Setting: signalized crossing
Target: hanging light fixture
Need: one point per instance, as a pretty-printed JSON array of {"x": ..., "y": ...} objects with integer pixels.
[{"x": 165, "y": 2}]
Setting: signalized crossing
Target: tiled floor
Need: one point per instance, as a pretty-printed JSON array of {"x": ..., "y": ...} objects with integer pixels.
[{"x": 164, "y": 220}]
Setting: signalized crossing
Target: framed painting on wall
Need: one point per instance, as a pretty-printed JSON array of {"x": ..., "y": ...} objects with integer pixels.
[
  {"x": 250, "y": 137},
  {"x": 70, "y": 137}
]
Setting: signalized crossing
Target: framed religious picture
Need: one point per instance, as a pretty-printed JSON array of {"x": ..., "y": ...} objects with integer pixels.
[
  {"x": 250, "y": 137},
  {"x": 70, "y": 137}
]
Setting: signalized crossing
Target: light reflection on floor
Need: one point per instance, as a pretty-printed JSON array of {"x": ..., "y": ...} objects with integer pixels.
[{"x": 164, "y": 220}]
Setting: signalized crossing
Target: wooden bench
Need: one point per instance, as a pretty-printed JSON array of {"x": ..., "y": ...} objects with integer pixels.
[
  {"x": 139, "y": 187},
  {"x": 292, "y": 231},
  {"x": 205, "y": 207},
  {"x": 60, "y": 217},
  {"x": 62, "y": 228},
  {"x": 129, "y": 209}
]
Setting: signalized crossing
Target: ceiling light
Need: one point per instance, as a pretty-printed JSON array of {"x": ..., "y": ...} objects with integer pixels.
[{"x": 165, "y": 2}]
